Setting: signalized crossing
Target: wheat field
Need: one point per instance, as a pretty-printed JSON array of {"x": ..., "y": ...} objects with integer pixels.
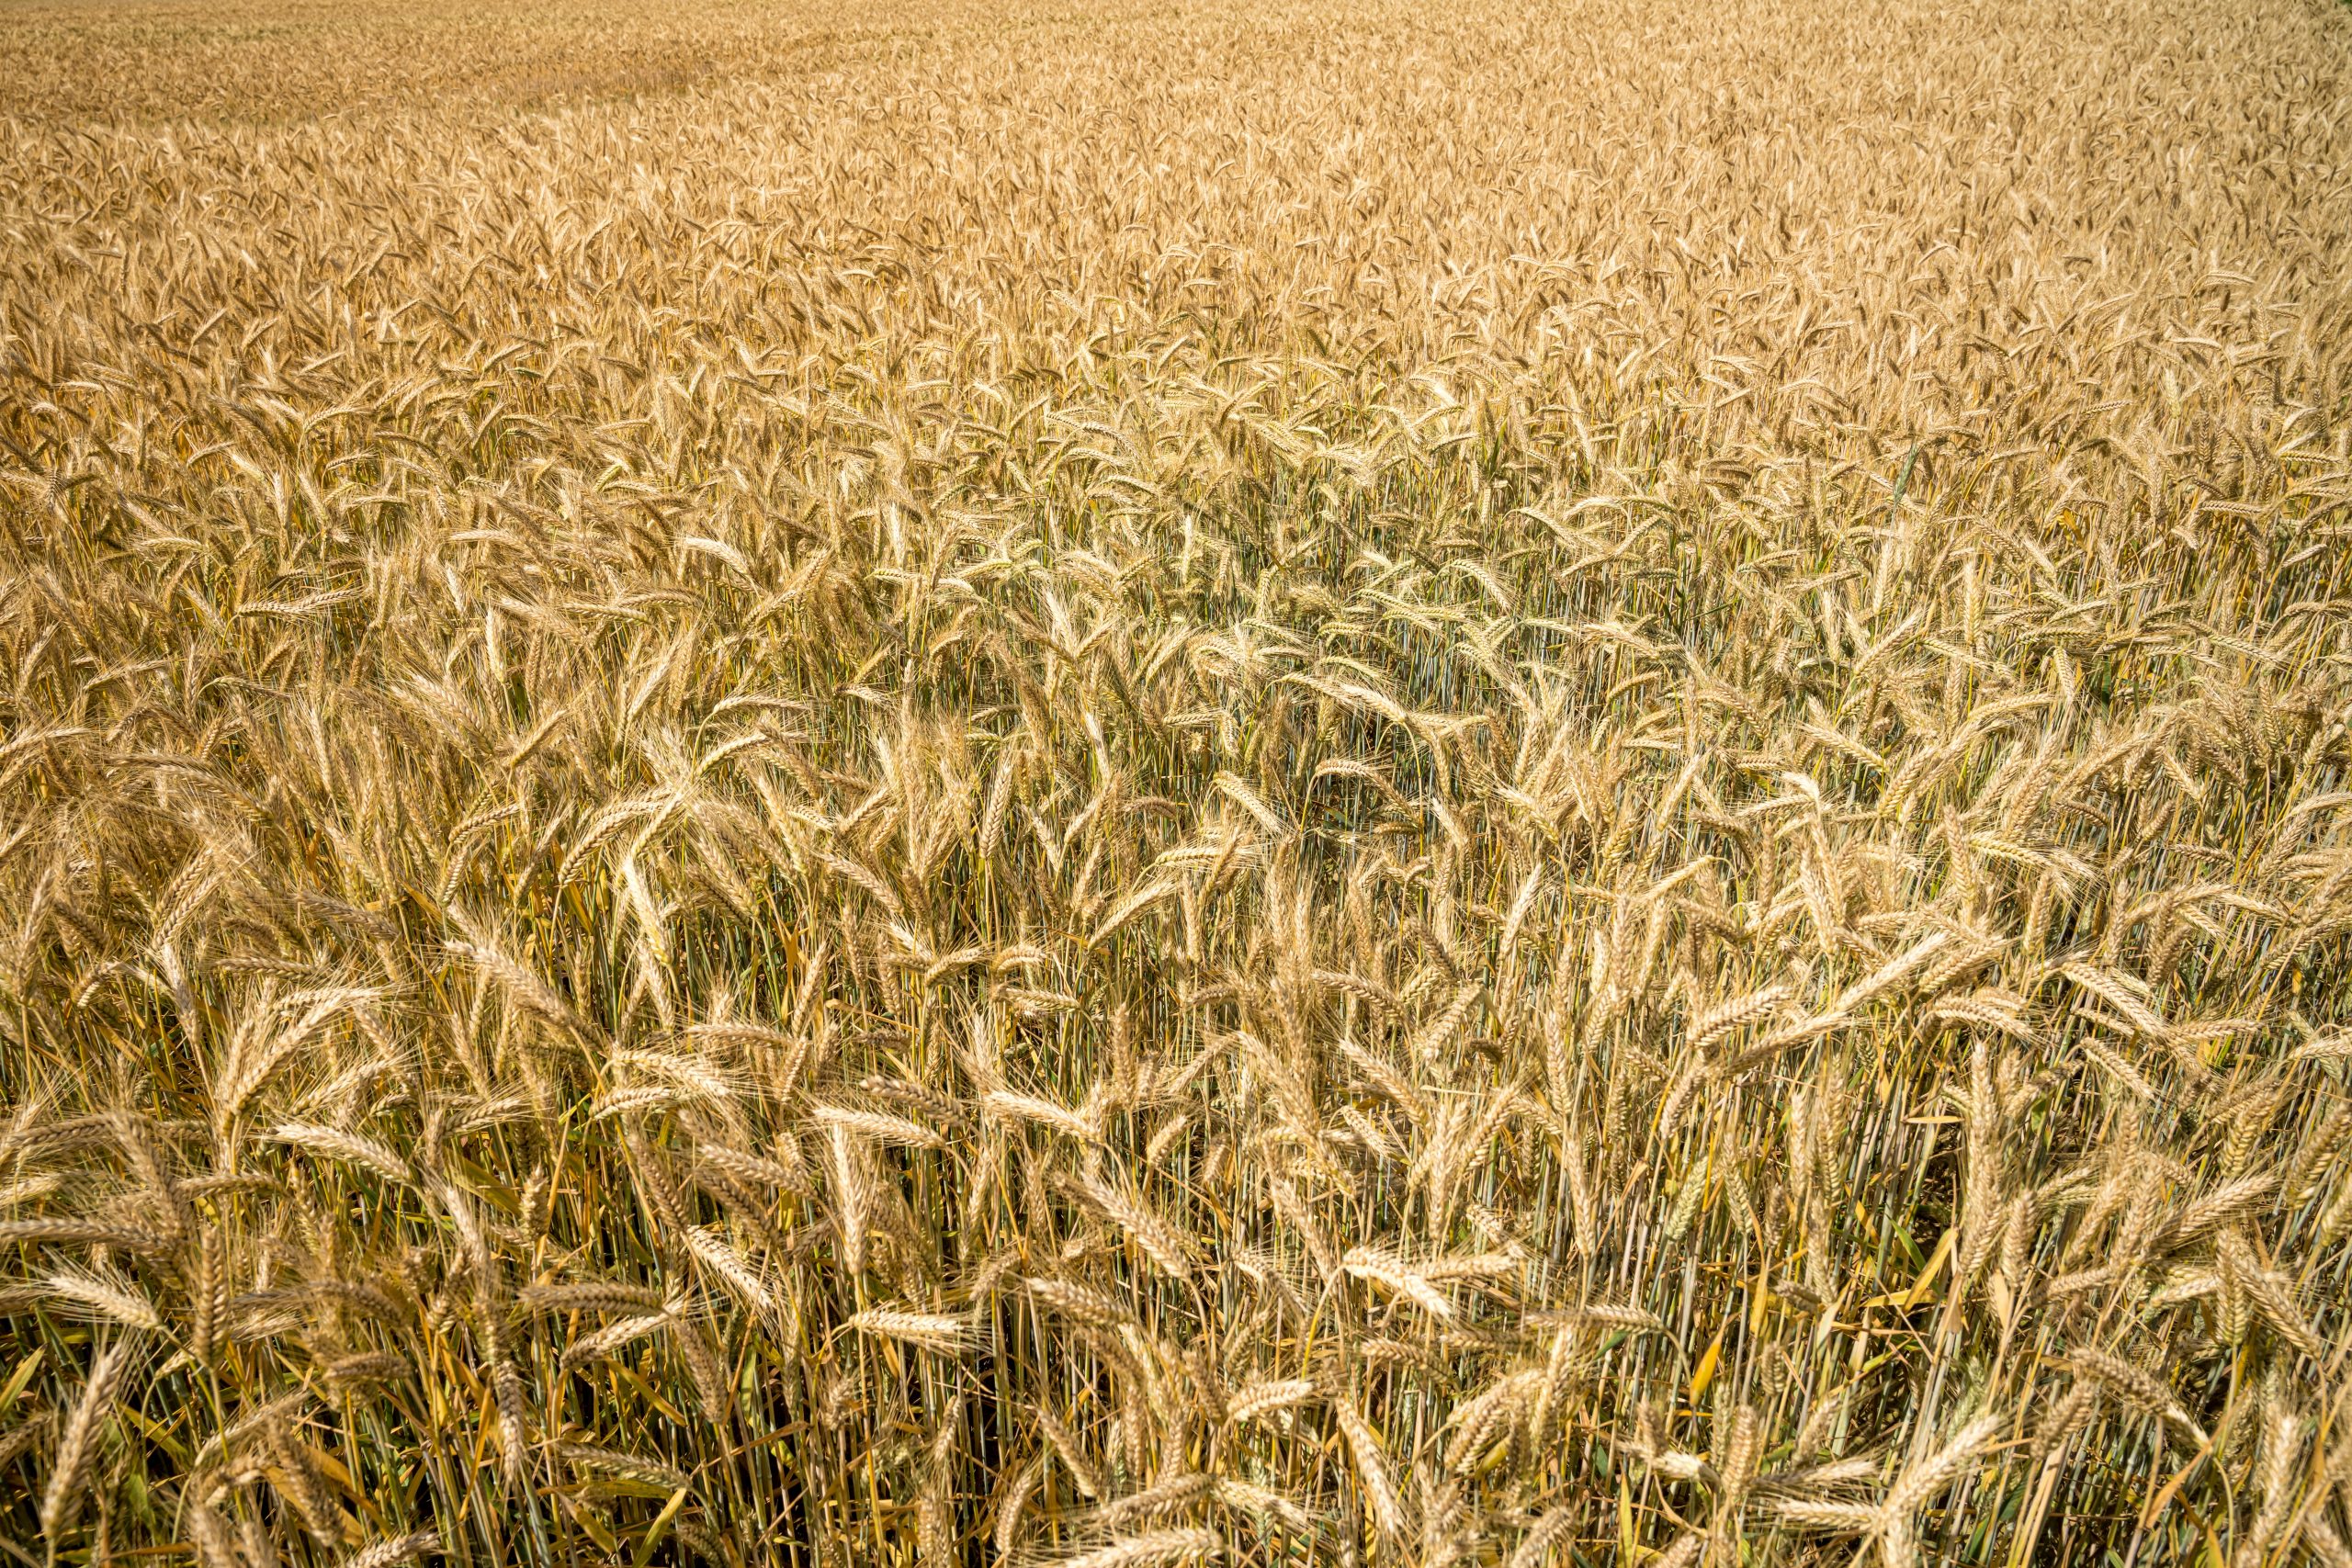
[{"x": 1126, "y": 783}]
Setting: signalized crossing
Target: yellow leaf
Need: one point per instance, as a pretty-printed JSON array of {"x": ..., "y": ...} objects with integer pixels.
[
  {"x": 1926, "y": 1275},
  {"x": 585, "y": 1517},
  {"x": 653, "y": 1532},
  {"x": 1706, "y": 1373},
  {"x": 21, "y": 1377},
  {"x": 1903, "y": 1301}
]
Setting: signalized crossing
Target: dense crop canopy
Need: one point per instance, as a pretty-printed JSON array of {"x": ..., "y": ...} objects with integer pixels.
[{"x": 1130, "y": 785}]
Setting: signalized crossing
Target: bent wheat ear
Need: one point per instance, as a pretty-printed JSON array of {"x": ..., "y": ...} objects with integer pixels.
[
  {"x": 105, "y": 1296},
  {"x": 1371, "y": 1466},
  {"x": 335, "y": 1143},
  {"x": 412, "y": 1548},
  {"x": 69, "y": 1472},
  {"x": 1147, "y": 1550},
  {"x": 1264, "y": 1398},
  {"x": 1066, "y": 1448},
  {"x": 931, "y": 1331}
]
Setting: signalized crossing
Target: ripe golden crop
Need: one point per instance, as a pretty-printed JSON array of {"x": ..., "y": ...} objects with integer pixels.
[{"x": 1353, "y": 783}]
